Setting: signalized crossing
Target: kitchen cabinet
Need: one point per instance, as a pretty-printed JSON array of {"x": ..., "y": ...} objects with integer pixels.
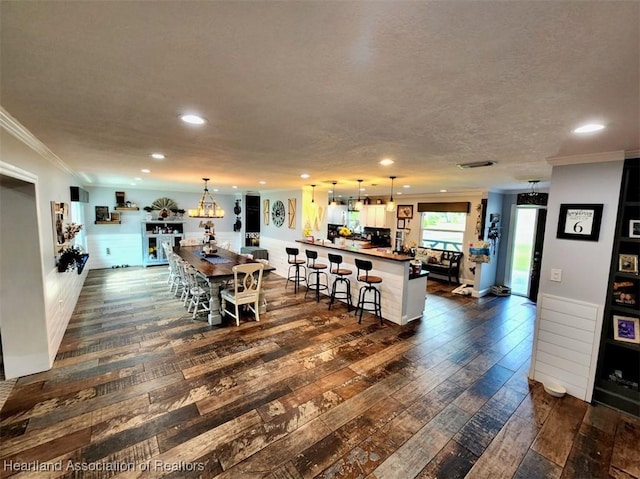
[
  {"x": 374, "y": 216},
  {"x": 154, "y": 233}
]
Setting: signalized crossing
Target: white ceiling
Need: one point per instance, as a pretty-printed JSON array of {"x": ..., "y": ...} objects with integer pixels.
[{"x": 327, "y": 88}]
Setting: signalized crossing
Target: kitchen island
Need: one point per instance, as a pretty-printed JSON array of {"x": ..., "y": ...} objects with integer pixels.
[{"x": 403, "y": 294}]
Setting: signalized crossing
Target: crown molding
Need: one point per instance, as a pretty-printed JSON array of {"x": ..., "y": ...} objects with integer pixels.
[
  {"x": 15, "y": 128},
  {"x": 588, "y": 158},
  {"x": 629, "y": 154}
]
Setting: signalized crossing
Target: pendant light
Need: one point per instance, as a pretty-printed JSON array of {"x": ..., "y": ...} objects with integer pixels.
[
  {"x": 207, "y": 208},
  {"x": 533, "y": 184},
  {"x": 358, "y": 206},
  {"x": 333, "y": 194},
  {"x": 313, "y": 197},
  {"x": 391, "y": 206}
]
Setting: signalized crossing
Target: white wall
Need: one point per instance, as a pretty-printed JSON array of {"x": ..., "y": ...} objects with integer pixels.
[
  {"x": 569, "y": 319},
  {"x": 121, "y": 244},
  {"x": 22, "y": 151}
]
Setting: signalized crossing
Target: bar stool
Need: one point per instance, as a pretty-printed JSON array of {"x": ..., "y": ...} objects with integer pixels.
[
  {"x": 296, "y": 264},
  {"x": 339, "y": 277},
  {"x": 315, "y": 269},
  {"x": 369, "y": 281}
]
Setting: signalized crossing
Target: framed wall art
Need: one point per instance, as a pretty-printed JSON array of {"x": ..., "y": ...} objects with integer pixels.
[
  {"x": 626, "y": 329},
  {"x": 634, "y": 229},
  {"x": 579, "y": 222},
  {"x": 102, "y": 213},
  {"x": 628, "y": 263},
  {"x": 59, "y": 215},
  {"x": 404, "y": 212}
]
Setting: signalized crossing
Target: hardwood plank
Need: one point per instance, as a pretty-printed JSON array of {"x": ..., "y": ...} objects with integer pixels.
[
  {"x": 625, "y": 458},
  {"x": 504, "y": 454},
  {"x": 304, "y": 393},
  {"x": 452, "y": 462},
  {"x": 558, "y": 433},
  {"x": 535, "y": 466},
  {"x": 485, "y": 424},
  {"x": 412, "y": 456},
  {"x": 590, "y": 453}
]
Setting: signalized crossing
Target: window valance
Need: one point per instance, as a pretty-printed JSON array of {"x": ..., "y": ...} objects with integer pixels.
[{"x": 454, "y": 207}]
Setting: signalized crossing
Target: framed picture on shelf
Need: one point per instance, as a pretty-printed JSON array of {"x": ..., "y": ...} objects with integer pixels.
[
  {"x": 102, "y": 213},
  {"x": 405, "y": 212},
  {"x": 115, "y": 216},
  {"x": 401, "y": 224},
  {"x": 626, "y": 329},
  {"x": 634, "y": 229},
  {"x": 579, "y": 222},
  {"x": 628, "y": 263},
  {"x": 625, "y": 293}
]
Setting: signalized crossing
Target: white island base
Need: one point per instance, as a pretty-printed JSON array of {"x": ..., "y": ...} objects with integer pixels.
[{"x": 402, "y": 294}]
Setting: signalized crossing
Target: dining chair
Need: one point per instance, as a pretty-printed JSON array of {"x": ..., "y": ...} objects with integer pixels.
[
  {"x": 198, "y": 292},
  {"x": 246, "y": 290}
]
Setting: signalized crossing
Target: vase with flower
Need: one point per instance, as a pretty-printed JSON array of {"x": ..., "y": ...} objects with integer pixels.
[{"x": 343, "y": 233}]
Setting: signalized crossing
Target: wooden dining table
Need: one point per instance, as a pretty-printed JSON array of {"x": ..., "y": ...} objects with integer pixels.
[{"x": 217, "y": 269}]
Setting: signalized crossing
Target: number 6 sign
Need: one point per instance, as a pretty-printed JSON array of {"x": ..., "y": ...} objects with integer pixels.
[{"x": 579, "y": 221}]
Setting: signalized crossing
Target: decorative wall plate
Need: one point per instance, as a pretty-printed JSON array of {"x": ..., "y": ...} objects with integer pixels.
[
  {"x": 164, "y": 204},
  {"x": 265, "y": 211}
]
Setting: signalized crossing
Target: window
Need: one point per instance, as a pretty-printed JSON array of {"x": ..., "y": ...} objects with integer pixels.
[{"x": 442, "y": 230}]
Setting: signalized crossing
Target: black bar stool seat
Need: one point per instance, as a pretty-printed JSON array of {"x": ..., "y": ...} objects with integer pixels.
[
  {"x": 297, "y": 265},
  {"x": 368, "y": 288},
  {"x": 340, "y": 277},
  {"x": 317, "y": 269}
]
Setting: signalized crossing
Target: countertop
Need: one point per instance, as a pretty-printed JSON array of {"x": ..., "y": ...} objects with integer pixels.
[{"x": 366, "y": 251}]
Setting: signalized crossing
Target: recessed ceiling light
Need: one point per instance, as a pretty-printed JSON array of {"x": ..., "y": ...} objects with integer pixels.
[
  {"x": 132, "y": 184},
  {"x": 193, "y": 119},
  {"x": 386, "y": 162},
  {"x": 157, "y": 156},
  {"x": 145, "y": 170},
  {"x": 589, "y": 128},
  {"x": 443, "y": 191},
  {"x": 138, "y": 178},
  {"x": 262, "y": 182},
  {"x": 406, "y": 186},
  {"x": 305, "y": 175},
  {"x": 234, "y": 187}
]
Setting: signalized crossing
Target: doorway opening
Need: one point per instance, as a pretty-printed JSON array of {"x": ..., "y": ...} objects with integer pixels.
[{"x": 526, "y": 251}]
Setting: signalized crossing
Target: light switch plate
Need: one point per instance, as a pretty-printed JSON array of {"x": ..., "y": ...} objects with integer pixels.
[{"x": 556, "y": 275}]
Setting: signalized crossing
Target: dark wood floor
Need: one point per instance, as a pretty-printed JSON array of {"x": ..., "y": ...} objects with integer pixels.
[{"x": 140, "y": 390}]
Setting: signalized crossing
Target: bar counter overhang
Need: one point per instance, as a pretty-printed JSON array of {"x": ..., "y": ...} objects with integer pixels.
[{"x": 403, "y": 294}]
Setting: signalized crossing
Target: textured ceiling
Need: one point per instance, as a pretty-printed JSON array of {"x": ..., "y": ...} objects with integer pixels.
[{"x": 326, "y": 88}]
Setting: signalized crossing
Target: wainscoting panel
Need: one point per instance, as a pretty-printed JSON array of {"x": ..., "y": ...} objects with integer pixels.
[
  {"x": 566, "y": 344},
  {"x": 110, "y": 250}
]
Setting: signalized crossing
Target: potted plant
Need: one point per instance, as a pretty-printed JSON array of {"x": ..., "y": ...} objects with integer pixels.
[{"x": 72, "y": 258}]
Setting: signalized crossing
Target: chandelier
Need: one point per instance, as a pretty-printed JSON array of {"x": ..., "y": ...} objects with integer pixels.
[{"x": 207, "y": 208}]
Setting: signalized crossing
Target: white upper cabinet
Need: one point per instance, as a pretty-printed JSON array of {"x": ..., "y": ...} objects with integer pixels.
[{"x": 374, "y": 216}]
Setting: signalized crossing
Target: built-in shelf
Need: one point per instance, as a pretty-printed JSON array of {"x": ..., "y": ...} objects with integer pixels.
[
  {"x": 618, "y": 373},
  {"x": 125, "y": 208},
  {"x": 107, "y": 222}
]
